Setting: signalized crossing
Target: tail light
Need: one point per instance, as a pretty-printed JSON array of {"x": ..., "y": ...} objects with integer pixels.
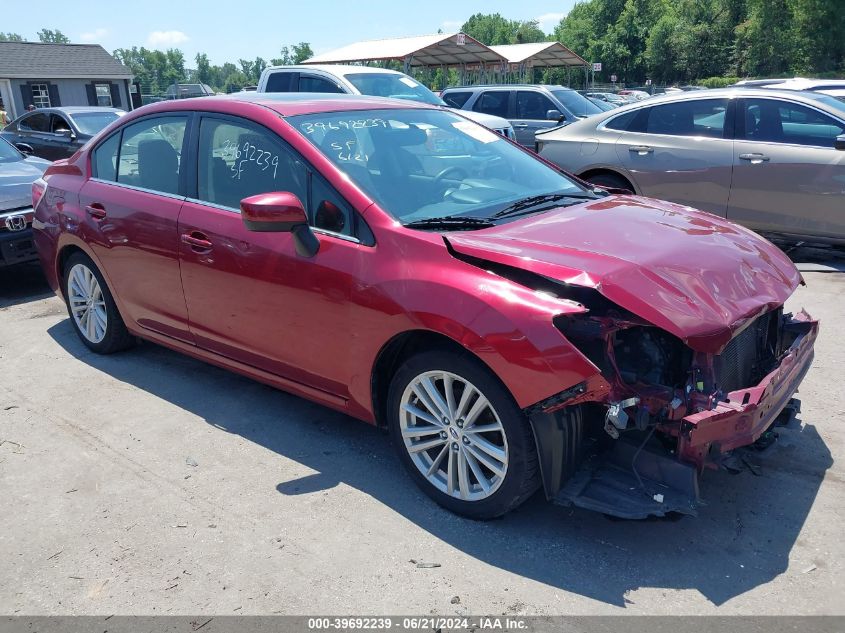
[{"x": 38, "y": 189}]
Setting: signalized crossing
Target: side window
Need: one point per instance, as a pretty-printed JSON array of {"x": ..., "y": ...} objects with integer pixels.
[
  {"x": 58, "y": 124},
  {"x": 105, "y": 158},
  {"x": 36, "y": 123},
  {"x": 622, "y": 122},
  {"x": 700, "y": 117},
  {"x": 280, "y": 82},
  {"x": 237, "y": 160},
  {"x": 457, "y": 99},
  {"x": 781, "y": 122},
  {"x": 150, "y": 153},
  {"x": 493, "y": 102},
  {"x": 533, "y": 105},
  {"x": 309, "y": 83},
  {"x": 327, "y": 210}
]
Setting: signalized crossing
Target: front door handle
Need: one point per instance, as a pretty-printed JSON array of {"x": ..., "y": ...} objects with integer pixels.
[
  {"x": 755, "y": 159},
  {"x": 642, "y": 150},
  {"x": 520, "y": 125},
  {"x": 197, "y": 241},
  {"x": 96, "y": 210}
]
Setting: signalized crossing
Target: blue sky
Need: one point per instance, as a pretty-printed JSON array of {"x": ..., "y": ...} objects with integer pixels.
[{"x": 245, "y": 29}]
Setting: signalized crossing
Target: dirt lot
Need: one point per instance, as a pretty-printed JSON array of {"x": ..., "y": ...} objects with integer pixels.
[{"x": 147, "y": 483}]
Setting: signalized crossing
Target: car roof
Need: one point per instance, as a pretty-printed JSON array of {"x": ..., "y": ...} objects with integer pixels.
[
  {"x": 811, "y": 98},
  {"x": 506, "y": 86},
  {"x": 71, "y": 110},
  {"x": 288, "y": 103},
  {"x": 336, "y": 69}
]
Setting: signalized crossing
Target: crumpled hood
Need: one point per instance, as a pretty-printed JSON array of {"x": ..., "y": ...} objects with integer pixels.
[
  {"x": 16, "y": 180},
  {"x": 690, "y": 273}
]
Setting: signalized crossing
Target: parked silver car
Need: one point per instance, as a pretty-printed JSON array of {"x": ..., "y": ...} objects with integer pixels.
[{"x": 772, "y": 160}]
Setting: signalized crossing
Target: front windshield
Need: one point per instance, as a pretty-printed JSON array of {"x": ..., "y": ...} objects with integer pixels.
[
  {"x": 420, "y": 164},
  {"x": 576, "y": 103},
  {"x": 8, "y": 154},
  {"x": 828, "y": 100},
  {"x": 394, "y": 86},
  {"x": 92, "y": 122}
]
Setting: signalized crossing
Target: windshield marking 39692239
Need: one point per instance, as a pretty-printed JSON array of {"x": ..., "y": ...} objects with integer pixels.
[{"x": 433, "y": 169}]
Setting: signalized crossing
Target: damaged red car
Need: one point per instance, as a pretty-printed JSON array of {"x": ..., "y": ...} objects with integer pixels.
[{"x": 513, "y": 328}]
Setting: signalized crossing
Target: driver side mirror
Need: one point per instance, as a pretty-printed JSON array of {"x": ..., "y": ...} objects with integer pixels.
[
  {"x": 555, "y": 115},
  {"x": 839, "y": 143},
  {"x": 23, "y": 148},
  {"x": 282, "y": 212}
]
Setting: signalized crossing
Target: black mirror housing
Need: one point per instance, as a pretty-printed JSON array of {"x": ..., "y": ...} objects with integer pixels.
[{"x": 839, "y": 143}]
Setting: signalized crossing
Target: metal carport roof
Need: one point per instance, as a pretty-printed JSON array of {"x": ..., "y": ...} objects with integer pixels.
[
  {"x": 424, "y": 50},
  {"x": 540, "y": 54}
]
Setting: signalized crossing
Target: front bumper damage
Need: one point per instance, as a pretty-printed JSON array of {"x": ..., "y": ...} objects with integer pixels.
[{"x": 637, "y": 476}]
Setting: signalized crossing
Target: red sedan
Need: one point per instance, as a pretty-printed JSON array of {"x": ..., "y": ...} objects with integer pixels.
[{"x": 511, "y": 326}]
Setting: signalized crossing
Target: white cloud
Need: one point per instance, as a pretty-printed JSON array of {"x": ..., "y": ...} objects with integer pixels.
[
  {"x": 158, "y": 39},
  {"x": 94, "y": 36},
  {"x": 451, "y": 26},
  {"x": 548, "y": 21}
]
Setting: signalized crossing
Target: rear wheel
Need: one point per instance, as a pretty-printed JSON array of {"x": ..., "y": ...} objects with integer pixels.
[
  {"x": 91, "y": 307},
  {"x": 461, "y": 435},
  {"x": 606, "y": 179}
]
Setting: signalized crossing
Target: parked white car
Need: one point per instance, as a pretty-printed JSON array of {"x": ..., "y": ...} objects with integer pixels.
[{"x": 365, "y": 80}]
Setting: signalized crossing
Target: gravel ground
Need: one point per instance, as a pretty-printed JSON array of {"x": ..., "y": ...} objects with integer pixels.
[{"x": 150, "y": 483}]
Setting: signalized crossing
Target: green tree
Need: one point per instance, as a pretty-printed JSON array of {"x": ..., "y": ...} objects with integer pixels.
[
  {"x": 49, "y": 36},
  {"x": 11, "y": 37},
  {"x": 493, "y": 29},
  {"x": 203, "y": 73}
]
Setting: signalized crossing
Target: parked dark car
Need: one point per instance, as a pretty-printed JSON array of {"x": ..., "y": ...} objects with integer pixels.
[
  {"x": 17, "y": 173},
  {"x": 513, "y": 327},
  {"x": 188, "y": 91},
  {"x": 55, "y": 133}
]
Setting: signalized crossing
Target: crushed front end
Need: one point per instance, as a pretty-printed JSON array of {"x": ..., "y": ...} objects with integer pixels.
[{"x": 660, "y": 412}]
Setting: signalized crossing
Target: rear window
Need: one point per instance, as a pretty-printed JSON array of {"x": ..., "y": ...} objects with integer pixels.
[
  {"x": 576, "y": 103},
  {"x": 280, "y": 82},
  {"x": 457, "y": 99}
]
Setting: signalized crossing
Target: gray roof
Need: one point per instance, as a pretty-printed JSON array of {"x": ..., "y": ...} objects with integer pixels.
[{"x": 32, "y": 60}]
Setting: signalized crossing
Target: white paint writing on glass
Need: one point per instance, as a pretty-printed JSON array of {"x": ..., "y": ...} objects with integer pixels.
[
  {"x": 243, "y": 155},
  {"x": 349, "y": 124}
]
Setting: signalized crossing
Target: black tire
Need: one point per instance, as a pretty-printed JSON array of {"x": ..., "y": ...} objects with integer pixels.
[
  {"x": 522, "y": 476},
  {"x": 116, "y": 337},
  {"x": 613, "y": 181}
]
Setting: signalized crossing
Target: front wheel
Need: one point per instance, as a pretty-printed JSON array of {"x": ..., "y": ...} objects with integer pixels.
[{"x": 461, "y": 435}]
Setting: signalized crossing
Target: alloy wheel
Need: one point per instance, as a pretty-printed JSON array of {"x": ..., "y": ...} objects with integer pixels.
[
  {"x": 87, "y": 304},
  {"x": 453, "y": 435}
]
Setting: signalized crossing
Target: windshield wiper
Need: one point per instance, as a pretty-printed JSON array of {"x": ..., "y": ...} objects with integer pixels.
[
  {"x": 517, "y": 208},
  {"x": 454, "y": 222}
]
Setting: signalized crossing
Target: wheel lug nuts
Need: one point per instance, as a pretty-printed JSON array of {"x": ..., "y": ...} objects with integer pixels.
[
  {"x": 460, "y": 423},
  {"x": 465, "y": 440},
  {"x": 454, "y": 446},
  {"x": 443, "y": 435}
]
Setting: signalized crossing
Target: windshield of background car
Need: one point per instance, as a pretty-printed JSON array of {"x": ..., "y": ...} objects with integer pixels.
[
  {"x": 832, "y": 102},
  {"x": 576, "y": 103},
  {"x": 420, "y": 164},
  {"x": 395, "y": 86},
  {"x": 8, "y": 154},
  {"x": 93, "y": 122}
]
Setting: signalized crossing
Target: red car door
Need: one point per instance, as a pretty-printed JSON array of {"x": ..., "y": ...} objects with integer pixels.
[
  {"x": 132, "y": 208},
  {"x": 250, "y": 296}
]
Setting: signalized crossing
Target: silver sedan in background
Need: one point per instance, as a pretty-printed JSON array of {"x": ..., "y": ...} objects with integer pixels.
[{"x": 772, "y": 160}]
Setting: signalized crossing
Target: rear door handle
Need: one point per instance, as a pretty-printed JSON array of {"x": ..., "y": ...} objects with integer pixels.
[
  {"x": 520, "y": 125},
  {"x": 642, "y": 150},
  {"x": 96, "y": 211},
  {"x": 197, "y": 241},
  {"x": 755, "y": 158}
]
